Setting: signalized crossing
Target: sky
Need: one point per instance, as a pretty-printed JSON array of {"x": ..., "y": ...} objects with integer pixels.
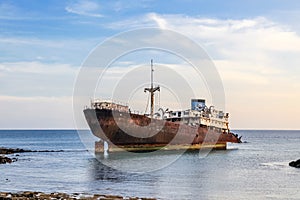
[{"x": 254, "y": 45}]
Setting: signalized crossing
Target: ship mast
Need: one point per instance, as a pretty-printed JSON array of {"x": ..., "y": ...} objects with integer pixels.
[{"x": 152, "y": 90}]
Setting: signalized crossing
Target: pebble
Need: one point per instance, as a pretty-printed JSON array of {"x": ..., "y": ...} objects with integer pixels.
[{"x": 29, "y": 195}]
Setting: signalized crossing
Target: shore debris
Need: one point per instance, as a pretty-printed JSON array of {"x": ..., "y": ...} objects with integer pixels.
[{"x": 58, "y": 195}]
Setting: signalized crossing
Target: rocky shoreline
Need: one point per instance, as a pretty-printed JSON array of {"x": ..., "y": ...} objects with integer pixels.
[
  {"x": 4, "y": 160},
  {"x": 12, "y": 151},
  {"x": 17, "y": 150},
  {"x": 28, "y": 195},
  {"x": 6, "y": 151}
]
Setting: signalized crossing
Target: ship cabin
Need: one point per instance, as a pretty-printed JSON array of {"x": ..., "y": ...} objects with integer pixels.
[
  {"x": 200, "y": 115},
  {"x": 109, "y": 105}
]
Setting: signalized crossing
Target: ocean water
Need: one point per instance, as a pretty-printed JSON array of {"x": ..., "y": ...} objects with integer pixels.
[{"x": 257, "y": 169}]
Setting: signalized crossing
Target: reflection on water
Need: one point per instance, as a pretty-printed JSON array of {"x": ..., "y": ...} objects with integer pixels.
[
  {"x": 139, "y": 162},
  {"x": 190, "y": 176},
  {"x": 99, "y": 171}
]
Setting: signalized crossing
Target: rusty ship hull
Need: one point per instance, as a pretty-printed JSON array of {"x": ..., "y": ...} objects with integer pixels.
[{"x": 135, "y": 132}]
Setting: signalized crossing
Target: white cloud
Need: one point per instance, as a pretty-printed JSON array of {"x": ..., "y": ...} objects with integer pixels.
[
  {"x": 258, "y": 60},
  {"x": 36, "y": 79},
  {"x": 71, "y": 51},
  {"x": 36, "y": 95},
  {"x": 36, "y": 68},
  {"x": 258, "y": 32},
  {"x": 85, "y": 8},
  {"x": 30, "y": 41},
  {"x": 161, "y": 22}
]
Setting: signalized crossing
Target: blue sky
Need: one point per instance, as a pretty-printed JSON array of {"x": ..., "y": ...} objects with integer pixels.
[
  {"x": 254, "y": 45},
  {"x": 86, "y": 19}
]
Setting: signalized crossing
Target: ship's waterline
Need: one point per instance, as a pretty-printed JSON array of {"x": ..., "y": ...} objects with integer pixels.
[{"x": 101, "y": 148}]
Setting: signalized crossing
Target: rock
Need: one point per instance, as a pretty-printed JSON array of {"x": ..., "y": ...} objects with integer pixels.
[
  {"x": 113, "y": 197},
  {"x": 18, "y": 150},
  {"x": 26, "y": 195},
  {"x": 4, "y": 160},
  {"x": 295, "y": 164},
  {"x": 11, "y": 151}
]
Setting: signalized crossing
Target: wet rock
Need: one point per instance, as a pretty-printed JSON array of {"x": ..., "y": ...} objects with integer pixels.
[
  {"x": 11, "y": 151},
  {"x": 113, "y": 197},
  {"x": 4, "y": 160},
  {"x": 295, "y": 164},
  {"x": 28, "y": 195}
]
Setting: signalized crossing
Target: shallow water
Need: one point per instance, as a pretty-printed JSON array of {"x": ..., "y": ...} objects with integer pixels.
[{"x": 257, "y": 169}]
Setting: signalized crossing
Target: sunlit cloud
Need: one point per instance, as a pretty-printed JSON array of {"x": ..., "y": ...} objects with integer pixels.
[{"x": 257, "y": 59}]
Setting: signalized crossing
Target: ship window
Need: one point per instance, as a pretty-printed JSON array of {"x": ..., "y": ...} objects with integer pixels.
[{"x": 179, "y": 114}]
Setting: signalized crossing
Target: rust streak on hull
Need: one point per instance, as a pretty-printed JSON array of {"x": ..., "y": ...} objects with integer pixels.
[{"x": 133, "y": 132}]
